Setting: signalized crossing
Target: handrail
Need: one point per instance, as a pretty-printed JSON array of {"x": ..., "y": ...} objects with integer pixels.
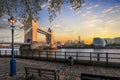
[{"x": 77, "y": 56}]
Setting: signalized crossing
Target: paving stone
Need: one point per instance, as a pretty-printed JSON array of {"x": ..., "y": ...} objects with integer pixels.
[{"x": 67, "y": 72}]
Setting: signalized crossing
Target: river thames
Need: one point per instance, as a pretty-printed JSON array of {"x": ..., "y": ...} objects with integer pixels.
[
  {"x": 83, "y": 54},
  {"x": 80, "y": 50}
]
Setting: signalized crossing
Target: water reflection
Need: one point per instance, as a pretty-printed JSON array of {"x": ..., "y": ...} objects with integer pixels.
[
  {"x": 51, "y": 54},
  {"x": 99, "y": 50}
]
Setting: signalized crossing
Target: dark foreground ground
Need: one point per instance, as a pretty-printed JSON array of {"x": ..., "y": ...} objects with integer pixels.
[{"x": 67, "y": 72}]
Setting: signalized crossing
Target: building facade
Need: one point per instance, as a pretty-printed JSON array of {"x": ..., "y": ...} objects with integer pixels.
[{"x": 99, "y": 42}]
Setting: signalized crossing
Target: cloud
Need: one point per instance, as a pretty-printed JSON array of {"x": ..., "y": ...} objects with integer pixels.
[
  {"x": 92, "y": 6},
  {"x": 56, "y": 26},
  {"x": 114, "y": 23},
  {"x": 110, "y": 29},
  {"x": 18, "y": 25},
  {"x": 107, "y": 10},
  {"x": 43, "y": 28},
  {"x": 89, "y": 15},
  {"x": 94, "y": 23},
  {"x": 117, "y": 6},
  {"x": 103, "y": 27},
  {"x": 4, "y": 24},
  {"x": 45, "y": 5},
  {"x": 115, "y": 11},
  {"x": 78, "y": 12},
  {"x": 86, "y": 14},
  {"x": 5, "y": 30},
  {"x": 110, "y": 10},
  {"x": 69, "y": 30}
]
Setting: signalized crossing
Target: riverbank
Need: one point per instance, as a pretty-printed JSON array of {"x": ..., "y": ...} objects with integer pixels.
[{"x": 67, "y": 72}]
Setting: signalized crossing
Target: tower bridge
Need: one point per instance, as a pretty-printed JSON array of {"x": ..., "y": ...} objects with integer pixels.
[{"x": 31, "y": 31}]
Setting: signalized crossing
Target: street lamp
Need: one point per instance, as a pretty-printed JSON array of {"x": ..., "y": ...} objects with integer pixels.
[{"x": 12, "y": 61}]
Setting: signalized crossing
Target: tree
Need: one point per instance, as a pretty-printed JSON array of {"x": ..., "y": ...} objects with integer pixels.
[{"x": 24, "y": 8}]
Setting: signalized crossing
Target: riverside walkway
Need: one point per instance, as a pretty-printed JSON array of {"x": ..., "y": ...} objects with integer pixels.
[{"x": 67, "y": 72}]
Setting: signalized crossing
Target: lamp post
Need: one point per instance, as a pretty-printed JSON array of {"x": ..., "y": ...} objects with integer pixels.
[{"x": 12, "y": 61}]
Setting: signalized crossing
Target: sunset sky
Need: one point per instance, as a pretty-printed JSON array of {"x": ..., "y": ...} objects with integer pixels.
[{"x": 96, "y": 18}]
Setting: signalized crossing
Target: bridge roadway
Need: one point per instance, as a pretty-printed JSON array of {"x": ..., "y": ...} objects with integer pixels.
[
  {"x": 67, "y": 72},
  {"x": 38, "y": 30},
  {"x": 43, "y": 32}
]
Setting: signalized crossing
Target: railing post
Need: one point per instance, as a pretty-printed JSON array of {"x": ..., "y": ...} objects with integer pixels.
[
  {"x": 15, "y": 52},
  {"x": 90, "y": 58},
  {"x": 5, "y": 52},
  {"x": 21, "y": 52},
  {"x": 33, "y": 54},
  {"x": 77, "y": 57},
  {"x": 98, "y": 57},
  {"x": 27, "y": 54},
  {"x": 65, "y": 57},
  {"x": 39, "y": 54},
  {"x": 106, "y": 59},
  {"x": 47, "y": 54},
  {"x": 0, "y": 53},
  {"x": 18, "y": 52},
  {"x": 55, "y": 55}
]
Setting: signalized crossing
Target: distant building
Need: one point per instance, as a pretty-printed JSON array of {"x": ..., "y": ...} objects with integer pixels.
[
  {"x": 69, "y": 43},
  {"x": 99, "y": 42},
  {"x": 109, "y": 41},
  {"x": 102, "y": 42},
  {"x": 117, "y": 40},
  {"x": 75, "y": 43},
  {"x": 59, "y": 44}
]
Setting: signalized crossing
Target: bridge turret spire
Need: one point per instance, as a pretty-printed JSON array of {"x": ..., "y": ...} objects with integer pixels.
[
  {"x": 50, "y": 30},
  {"x": 30, "y": 18}
]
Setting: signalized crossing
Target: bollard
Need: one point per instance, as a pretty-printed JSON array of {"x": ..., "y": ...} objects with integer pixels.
[{"x": 70, "y": 61}]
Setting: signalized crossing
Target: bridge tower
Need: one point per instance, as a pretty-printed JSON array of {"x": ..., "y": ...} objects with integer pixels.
[
  {"x": 30, "y": 30},
  {"x": 50, "y": 39}
]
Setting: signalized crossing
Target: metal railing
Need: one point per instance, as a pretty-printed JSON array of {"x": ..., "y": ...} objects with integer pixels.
[{"x": 78, "y": 57}]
